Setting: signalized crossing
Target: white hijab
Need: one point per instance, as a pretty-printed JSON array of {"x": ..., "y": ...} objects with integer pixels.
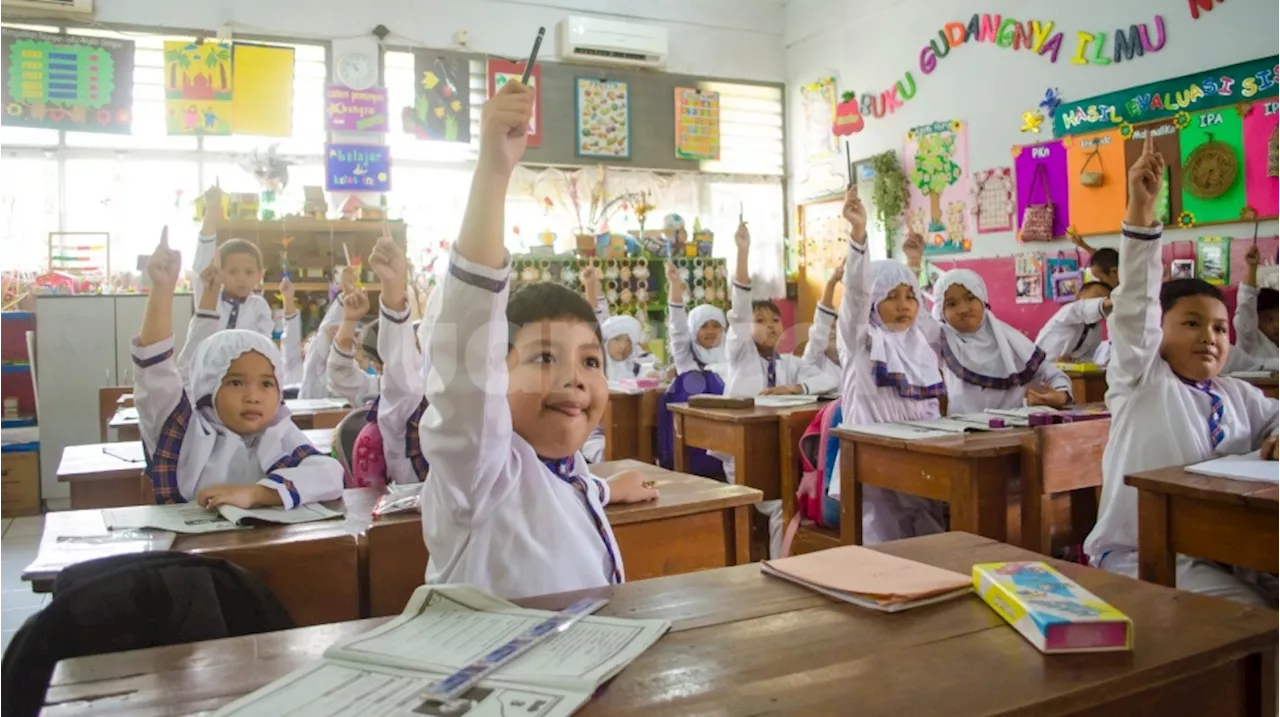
[
  {"x": 700, "y": 315},
  {"x": 628, "y": 367},
  {"x": 903, "y": 360},
  {"x": 994, "y": 356},
  {"x": 211, "y": 453}
]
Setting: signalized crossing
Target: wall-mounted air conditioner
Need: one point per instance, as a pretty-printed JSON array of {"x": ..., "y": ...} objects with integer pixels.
[
  {"x": 609, "y": 42},
  {"x": 80, "y": 9}
]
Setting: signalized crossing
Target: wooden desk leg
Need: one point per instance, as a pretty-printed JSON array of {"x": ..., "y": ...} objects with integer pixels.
[
  {"x": 979, "y": 500},
  {"x": 677, "y": 442},
  {"x": 789, "y": 474},
  {"x": 1156, "y": 559},
  {"x": 610, "y": 431},
  {"x": 1037, "y": 510},
  {"x": 1260, "y": 683},
  {"x": 850, "y": 495},
  {"x": 737, "y": 535}
]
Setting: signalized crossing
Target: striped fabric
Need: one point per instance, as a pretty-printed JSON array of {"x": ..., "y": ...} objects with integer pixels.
[
  {"x": 1216, "y": 408},
  {"x": 885, "y": 379},
  {"x": 563, "y": 469},
  {"x": 771, "y": 378},
  {"x": 162, "y": 467},
  {"x": 235, "y": 309},
  {"x": 412, "y": 443},
  {"x": 1022, "y": 378}
]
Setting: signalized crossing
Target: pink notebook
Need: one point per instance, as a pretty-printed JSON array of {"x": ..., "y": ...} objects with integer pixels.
[{"x": 870, "y": 578}]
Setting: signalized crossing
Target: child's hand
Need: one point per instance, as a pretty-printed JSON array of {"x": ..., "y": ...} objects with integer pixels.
[
  {"x": 165, "y": 265},
  {"x": 1145, "y": 179},
  {"x": 1270, "y": 451},
  {"x": 913, "y": 248},
  {"x": 1253, "y": 256},
  {"x": 590, "y": 277},
  {"x": 794, "y": 390},
  {"x": 1075, "y": 238},
  {"x": 673, "y": 273},
  {"x": 837, "y": 276},
  {"x": 388, "y": 262},
  {"x": 742, "y": 237},
  {"x": 631, "y": 487},
  {"x": 211, "y": 279},
  {"x": 504, "y": 128},
  {"x": 1045, "y": 396},
  {"x": 286, "y": 289},
  {"x": 347, "y": 279},
  {"x": 355, "y": 305},
  {"x": 240, "y": 495},
  {"x": 856, "y": 214},
  {"x": 213, "y": 201}
]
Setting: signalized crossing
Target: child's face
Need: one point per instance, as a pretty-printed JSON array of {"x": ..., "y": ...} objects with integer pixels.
[
  {"x": 709, "y": 334},
  {"x": 898, "y": 310},
  {"x": 366, "y": 362},
  {"x": 962, "y": 310},
  {"x": 248, "y": 398},
  {"x": 620, "y": 347},
  {"x": 1269, "y": 323},
  {"x": 1093, "y": 292},
  {"x": 1195, "y": 341},
  {"x": 556, "y": 389},
  {"x": 240, "y": 274},
  {"x": 766, "y": 329}
]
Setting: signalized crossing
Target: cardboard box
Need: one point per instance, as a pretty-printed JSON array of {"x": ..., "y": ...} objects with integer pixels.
[
  {"x": 19, "y": 484},
  {"x": 1050, "y": 609}
]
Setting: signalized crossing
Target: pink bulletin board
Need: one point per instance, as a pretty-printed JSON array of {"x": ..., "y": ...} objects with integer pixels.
[
  {"x": 1054, "y": 157},
  {"x": 1260, "y": 190}
]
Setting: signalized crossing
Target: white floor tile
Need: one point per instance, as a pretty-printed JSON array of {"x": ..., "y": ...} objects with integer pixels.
[
  {"x": 16, "y": 599},
  {"x": 28, "y": 526}
]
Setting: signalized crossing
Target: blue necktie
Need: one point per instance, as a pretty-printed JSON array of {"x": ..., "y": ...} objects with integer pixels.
[
  {"x": 1216, "y": 409},
  {"x": 235, "y": 309},
  {"x": 563, "y": 469},
  {"x": 772, "y": 376}
]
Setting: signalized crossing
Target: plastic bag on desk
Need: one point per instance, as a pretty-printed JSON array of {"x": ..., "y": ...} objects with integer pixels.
[{"x": 405, "y": 498}]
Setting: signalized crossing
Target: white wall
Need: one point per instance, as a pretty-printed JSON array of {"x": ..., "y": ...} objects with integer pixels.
[
  {"x": 715, "y": 38},
  {"x": 869, "y": 46}
]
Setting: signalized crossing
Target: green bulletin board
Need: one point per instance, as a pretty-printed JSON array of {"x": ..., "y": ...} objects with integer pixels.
[{"x": 1222, "y": 125}]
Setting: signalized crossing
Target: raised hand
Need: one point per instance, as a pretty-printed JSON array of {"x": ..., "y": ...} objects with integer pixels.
[
  {"x": 1253, "y": 256},
  {"x": 837, "y": 276},
  {"x": 913, "y": 249},
  {"x": 504, "y": 128},
  {"x": 388, "y": 261},
  {"x": 1146, "y": 176},
  {"x": 675, "y": 283},
  {"x": 742, "y": 237},
  {"x": 287, "y": 295},
  {"x": 856, "y": 214},
  {"x": 355, "y": 305},
  {"x": 165, "y": 265}
]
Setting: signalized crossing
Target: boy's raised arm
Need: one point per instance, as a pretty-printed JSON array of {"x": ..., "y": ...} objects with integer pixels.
[
  {"x": 158, "y": 390},
  {"x": 1134, "y": 325},
  {"x": 855, "y": 306}
]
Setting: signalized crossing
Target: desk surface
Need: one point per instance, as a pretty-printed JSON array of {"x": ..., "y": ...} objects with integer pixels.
[
  {"x": 758, "y": 414},
  {"x": 1176, "y": 481},
  {"x": 982, "y": 444},
  {"x": 678, "y": 494},
  {"x": 297, "y": 407},
  {"x": 106, "y": 461},
  {"x": 741, "y": 640}
]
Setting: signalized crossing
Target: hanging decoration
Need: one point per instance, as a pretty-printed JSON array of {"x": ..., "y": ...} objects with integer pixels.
[
  {"x": 67, "y": 82},
  {"x": 991, "y": 196},
  {"x": 1028, "y": 270},
  {"x": 1040, "y": 171},
  {"x": 357, "y": 167},
  {"x": 197, "y": 88},
  {"x": 442, "y": 97},
  {"x": 819, "y": 102},
  {"x": 848, "y": 118},
  {"x": 697, "y": 124},
  {"x": 1063, "y": 278},
  {"x": 1213, "y": 260},
  {"x": 1261, "y": 136},
  {"x": 348, "y": 110},
  {"x": 936, "y": 167}
]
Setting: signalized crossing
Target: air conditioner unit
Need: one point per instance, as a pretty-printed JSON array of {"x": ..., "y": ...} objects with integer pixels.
[
  {"x": 609, "y": 42},
  {"x": 76, "y": 9}
]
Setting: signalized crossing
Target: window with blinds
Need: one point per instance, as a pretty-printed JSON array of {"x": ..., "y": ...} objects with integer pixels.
[{"x": 751, "y": 140}]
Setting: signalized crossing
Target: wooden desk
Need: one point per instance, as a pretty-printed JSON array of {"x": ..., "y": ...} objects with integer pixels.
[
  {"x": 1220, "y": 519},
  {"x": 743, "y": 643},
  {"x": 630, "y": 420},
  {"x": 108, "y": 475},
  {"x": 1088, "y": 386},
  {"x": 303, "y": 411},
  {"x": 971, "y": 473}
]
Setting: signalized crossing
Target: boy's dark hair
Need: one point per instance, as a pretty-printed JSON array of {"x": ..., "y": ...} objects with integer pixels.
[
  {"x": 369, "y": 341},
  {"x": 1175, "y": 289},
  {"x": 1105, "y": 260},
  {"x": 240, "y": 246},
  {"x": 1091, "y": 284},
  {"x": 767, "y": 306},
  {"x": 1267, "y": 300},
  {"x": 544, "y": 301}
]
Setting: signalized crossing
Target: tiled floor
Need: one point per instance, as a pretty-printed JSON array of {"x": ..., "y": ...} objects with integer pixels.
[{"x": 18, "y": 545}]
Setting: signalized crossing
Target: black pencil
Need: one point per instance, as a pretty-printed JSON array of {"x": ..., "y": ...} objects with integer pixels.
[{"x": 533, "y": 56}]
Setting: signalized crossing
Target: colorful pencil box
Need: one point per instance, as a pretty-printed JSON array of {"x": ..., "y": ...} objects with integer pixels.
[{"x": 1053, "y": 612}]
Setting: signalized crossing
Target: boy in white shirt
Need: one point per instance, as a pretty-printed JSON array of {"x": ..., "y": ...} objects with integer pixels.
[
  {"x": 1074, "y": 333},
  {"x": 352, "y": 370},
  {"x": 1169, "y": 404},
  {"x": 513, "y": 390},
  {"x": 821, "y": 356},
  {"x": 239, "y": 264},
  {"x": 1257, "y": 319}
]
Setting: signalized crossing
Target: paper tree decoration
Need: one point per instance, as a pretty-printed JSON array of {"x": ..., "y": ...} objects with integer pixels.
[{"x": 848, "y": 116}]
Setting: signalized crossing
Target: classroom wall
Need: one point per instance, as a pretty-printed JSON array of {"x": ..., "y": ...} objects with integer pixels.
[{"x": 714, "y": 38}]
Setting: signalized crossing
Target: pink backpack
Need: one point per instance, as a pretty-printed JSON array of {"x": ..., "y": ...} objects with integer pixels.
[
  {"x": 368, "y": 465},
  {"x": 818, "y": 451}
]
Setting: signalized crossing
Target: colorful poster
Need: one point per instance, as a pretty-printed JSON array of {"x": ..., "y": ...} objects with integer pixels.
[
  {"x": 197, "y": 88},
  {"x": 697, "y": 124},
  {"x": 1051, "y": 186},
  {"x": 82, "y": 84},
  {"x": 1221, "y": 87},
  {"x": 498, "y": 72},
  {"x": 348, "y": 110},
  {"x": 936, "y": 159},
  {"x": 262, "y": 76},
  {"x": 1097, "y": 182},
  {"x": 1261, "y": 180},
  {"x": 442, "y": 97},
  {"x": 992, "y": 200},
  {"x": 1212, "y": 171},
  {"x": 1213, "y": 260},
  {"x": 357, "y": 168},
  {"x": 1059, "y": 274},
  {"x": 604, "y": 118},
  {"x": 1169, "y": 201},
  {"x": 819, "y": 102},
  {"x": 1028, "y": 277}
]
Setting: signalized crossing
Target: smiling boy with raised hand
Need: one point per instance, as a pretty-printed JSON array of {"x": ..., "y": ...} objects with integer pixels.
[
  {"x": 1169, "y": 404},
  {"x": 513, "y": 389},
  {"x": 239, "y": 263}
]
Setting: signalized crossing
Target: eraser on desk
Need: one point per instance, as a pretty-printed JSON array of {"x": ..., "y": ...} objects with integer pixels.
[{"x": 996, "y": 423}]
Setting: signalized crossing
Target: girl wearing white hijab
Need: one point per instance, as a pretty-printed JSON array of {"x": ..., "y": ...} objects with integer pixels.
[
  {"x": 225, "y": 438},
  {"x": 697, "y": 337},
  {"x": 890, "y": 372},
  {"x": 988, "y": 364},
  {"x": 622, "y": 340}
]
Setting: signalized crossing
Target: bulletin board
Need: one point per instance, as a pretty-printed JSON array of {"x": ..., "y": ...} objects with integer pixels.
[
  {"x": 1053, "y": 157},
  {"x": 936, "y": 162},
  {"x": 1261, "y": 186},
  {"x": 67, "y": 82},
  {"x": 1096, "y": 209}
]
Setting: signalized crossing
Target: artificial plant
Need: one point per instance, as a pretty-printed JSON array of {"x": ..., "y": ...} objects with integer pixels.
[{"x": 889, "y": 194}]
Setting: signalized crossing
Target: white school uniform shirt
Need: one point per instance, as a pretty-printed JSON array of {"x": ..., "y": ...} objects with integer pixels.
[
  {"x": 403, "y": 400},
  {"x": 252, "y": 313},
  {"x": 682, "y": 329},
  {"x": 992, "y": 367},
  {"x": 748, "y": 370},
  {"x": 887, "y": 376},
  {"x": 345, "y": 379},
  {"x": 1248, "y": 336},
  {"x": 315, "y": 382},
  {"x": 291, "y": 350},
  {"x": 188, "y": 445},
  {"x": 823, "y": 373},
  {"x": 1157, "y": 420},
  {"x": 1075, "y": 331},
  {"x": 493, "y": 514}
]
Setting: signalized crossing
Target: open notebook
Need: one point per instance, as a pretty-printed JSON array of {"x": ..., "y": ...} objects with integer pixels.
[
  {"x": 443, "y": 629},
  {"x": 869, "y": 578},
  {"x": 191, "y": 518},
  {"x": 1249, "y": 466}
]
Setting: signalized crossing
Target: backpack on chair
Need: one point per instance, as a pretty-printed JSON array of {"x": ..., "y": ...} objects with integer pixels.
[
  {"x": 818, "y": 453},
  {"x": 132, "y": 602}
]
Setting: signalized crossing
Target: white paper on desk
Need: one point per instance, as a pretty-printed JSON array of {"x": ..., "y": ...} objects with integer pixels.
[
  {"x": 186, "y": 518},
  {"x": 127, "y": 451},
  {"x": 1249, "y": 466},
  {"x": 784, "y": 401},
  {"x": 305, "y": 513},
  {"x": 900, "y": 431},
  {"x": 127, "y": 414},
  {"x": 1252, "y": 374},
  {"x": 447, "y": 627},
  {"x": 341, "y": 689},
  {"x": 311, "y": 405},
  {"x": 953, "y": 425}
]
